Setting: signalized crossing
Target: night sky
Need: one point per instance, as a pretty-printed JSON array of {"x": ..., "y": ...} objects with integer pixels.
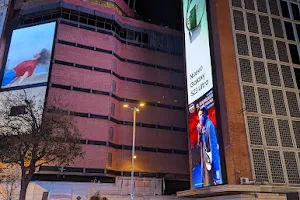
[{"x": 161, "y": 12}]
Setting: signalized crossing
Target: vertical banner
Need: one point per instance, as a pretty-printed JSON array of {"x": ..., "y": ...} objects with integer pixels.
[{"x": 203, "y": 135}]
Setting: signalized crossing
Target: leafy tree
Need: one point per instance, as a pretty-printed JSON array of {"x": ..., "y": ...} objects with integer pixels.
[{"x": 32, "y": 136}]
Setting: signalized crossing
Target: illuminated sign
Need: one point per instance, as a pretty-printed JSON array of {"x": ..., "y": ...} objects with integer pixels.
[
  {"x": 205, "y": 154},
  {"x": 29, "y": 56}
]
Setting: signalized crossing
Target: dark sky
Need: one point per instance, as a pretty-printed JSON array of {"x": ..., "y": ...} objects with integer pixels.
[{"x": 165, "y": 12}]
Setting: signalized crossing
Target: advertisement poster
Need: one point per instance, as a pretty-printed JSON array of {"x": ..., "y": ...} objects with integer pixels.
[
  {"x": 204, "y": 139},
  {"x": 29, "y": 56}
]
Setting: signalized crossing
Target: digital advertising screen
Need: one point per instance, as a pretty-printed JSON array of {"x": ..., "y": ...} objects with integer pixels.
[
  {"x": 13, "y": 103},
  {"x": 203, "y": 134},
  {"x": 29, "y": 56}
]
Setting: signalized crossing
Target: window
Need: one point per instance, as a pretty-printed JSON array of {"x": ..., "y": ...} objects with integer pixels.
[
  {"x": 294, "y": 53},
  {"x": 109, "y": 159},
  {"x": 285, "y": 9},
  {"x": 297, "y": 75},
  {"x": 17, "y": 110},
  {"x": 114, "y": 86},
  {"x": 289, "y": 31},
  {"x": 296, "y": 12},
  {"x": 145, "y": 38},
  {"x": 130, "y": 34},
  {"x": 83, "y": 20},
  {"x": 298, "y": 30},
  {"x": 137, "y": 36},
  {"x": 111, "y": 133},
  {"x": 112, "y": 109}
]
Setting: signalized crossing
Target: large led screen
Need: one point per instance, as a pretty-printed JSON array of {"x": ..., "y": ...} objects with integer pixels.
[
  {"x": 204, "y": 139},
  {"x": 13, "y": 103},
  {"x": 29, "y": 55}
]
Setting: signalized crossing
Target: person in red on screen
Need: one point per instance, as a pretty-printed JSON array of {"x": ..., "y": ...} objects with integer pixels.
[{"x": 25, "y": 69}]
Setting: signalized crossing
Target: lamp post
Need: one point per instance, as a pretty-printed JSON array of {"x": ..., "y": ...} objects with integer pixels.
[{"x": 135, "y": 110}]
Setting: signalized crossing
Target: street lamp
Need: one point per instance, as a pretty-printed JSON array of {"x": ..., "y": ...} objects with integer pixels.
[{"x": 135, "y": 110}]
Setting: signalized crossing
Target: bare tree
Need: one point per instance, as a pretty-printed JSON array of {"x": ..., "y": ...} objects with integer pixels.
[
  {"x": 32, "y": 135},
  {"x": 10, "y": 177}
]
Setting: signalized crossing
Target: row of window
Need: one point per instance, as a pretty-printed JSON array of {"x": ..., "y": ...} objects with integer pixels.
[
  {"x": 263, "y": 94},
  {"x": 19, "y": 110},
  {"x": 92, "y": 22},
  {"x": 66, "y": 87},
  {"x": 271, "y": 70},
  {"x": 110, "y": 172},
  {"x": 127, "y": 147},
  {"x": 144, "y": 64},
  {"x": 287, "y": 10},
  {"x": 127, "y": 123},
  {"x": 97, "y": 69},
  {"x": 121, "y": 122},
  {"x": 269, "y": 131},
  {"x": 265, "y": 25},
  {"x": 292, "y": 12},
  {"x": 269, "y": 48}
]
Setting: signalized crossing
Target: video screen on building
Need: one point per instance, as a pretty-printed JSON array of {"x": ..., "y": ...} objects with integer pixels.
[
  {"x": 29, "y": 55},
  {"x": 203, "y": 134},
  {"x": 15, "y": 103}
]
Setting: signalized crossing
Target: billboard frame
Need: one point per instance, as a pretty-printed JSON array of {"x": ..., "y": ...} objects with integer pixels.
[
  {"x": 47, "y": 84},
  {"x": 215, "y": 89},
  {"x": 7, "y": 46}
]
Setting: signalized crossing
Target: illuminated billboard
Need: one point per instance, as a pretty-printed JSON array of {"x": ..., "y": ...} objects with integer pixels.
[
  {"x": 13, "y": 103},
  {"x": 204, "y": 139},
  {"x": 29, "y": 56}
]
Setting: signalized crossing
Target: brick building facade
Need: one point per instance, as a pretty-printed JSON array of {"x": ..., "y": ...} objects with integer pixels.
[{"x": 102, "y": 59}]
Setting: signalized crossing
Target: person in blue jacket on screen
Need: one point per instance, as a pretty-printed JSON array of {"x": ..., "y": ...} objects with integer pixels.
[{"x": 210, "y": 165}]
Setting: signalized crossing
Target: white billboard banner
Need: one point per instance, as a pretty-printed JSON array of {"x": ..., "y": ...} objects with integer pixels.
[{"x": 198, "y": 58}]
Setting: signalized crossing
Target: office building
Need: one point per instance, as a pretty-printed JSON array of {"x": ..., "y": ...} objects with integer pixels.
[{"x": 103, "y": 57}]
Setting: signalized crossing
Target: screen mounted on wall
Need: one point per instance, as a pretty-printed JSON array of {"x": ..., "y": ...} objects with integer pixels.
[
  {"x": 29, "y": 56},
  {"x": 203, "y": 128}
]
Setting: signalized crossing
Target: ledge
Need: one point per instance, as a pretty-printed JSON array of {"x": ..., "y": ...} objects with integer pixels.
[{"x": 236, "y": 189}]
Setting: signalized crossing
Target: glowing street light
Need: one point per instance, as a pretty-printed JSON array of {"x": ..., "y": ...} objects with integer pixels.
[
  {"x": 142, "y": 105},
  {"x": 133, "y": 157}
]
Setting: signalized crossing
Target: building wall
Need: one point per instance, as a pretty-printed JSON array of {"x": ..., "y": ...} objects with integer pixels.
[
  {"x": 266, "y": 47},
  {"x": 94, "y": 74},
  {"x": 230, "y": 106},
  {"x": 103, "y": 9}
]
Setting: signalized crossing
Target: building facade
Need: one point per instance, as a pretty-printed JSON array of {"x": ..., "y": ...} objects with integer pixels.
[
  {"x": 103, "y": 58},
  {"x": 266, "y": 35},
  {"x": 255, "y": 46}
]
